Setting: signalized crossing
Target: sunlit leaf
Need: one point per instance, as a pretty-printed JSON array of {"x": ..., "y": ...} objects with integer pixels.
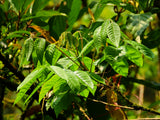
[
  {"x": 141, "y": 48},
  {"x": 69, "y": 76},
  {"x": 113, "y": 32},
  {"x": 134, "y": 55},
  {"x": 85, "y": 78},
  {"x": 28, "y": 81},
  {"x": 47, "y": 86}
]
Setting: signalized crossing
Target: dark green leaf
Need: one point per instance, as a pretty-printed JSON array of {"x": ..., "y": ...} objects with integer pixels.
[
  {"x": 57, "y": 25},
  {"x": 73, "y": 15},
  {"x": 39, "y": 5},
  {"x": 61, "y": 102}
]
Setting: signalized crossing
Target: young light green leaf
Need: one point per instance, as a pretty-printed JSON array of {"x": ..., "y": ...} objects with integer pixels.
[
  {"x": 47, "y": 86},
  {"x": 85, "y": 93},
  {"x": 28, "y": 81},
  {"x": 41, "y": 43},
  {"x": 141, "y": 48},
  {"x": 73, "y": 15},
  {"x": 113, "y": 32},
  {"x": 85, "y": 78},
  {"x": 69, "y": 76}
]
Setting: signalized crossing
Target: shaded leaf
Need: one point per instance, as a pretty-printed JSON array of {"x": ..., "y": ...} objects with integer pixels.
[
  {"x": 137, "y": 23},
  {"x": 39, "y": 5},
  {"x": 61, "y": 102},
  {"x": 73, "y": 15}
]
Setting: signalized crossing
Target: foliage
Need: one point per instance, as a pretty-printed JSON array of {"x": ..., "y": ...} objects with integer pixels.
[{"x": 70, "y": 67}]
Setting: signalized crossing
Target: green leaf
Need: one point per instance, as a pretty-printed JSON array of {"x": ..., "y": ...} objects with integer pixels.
[
  {"x": 88, "y": 63},
  {"x": 39, "y": 5},
  {"x": 28, "y": 47},
  {"x": 85, "y": 78},
  {"x": 104, "y": 31},
  {"x": 113, "y": 32},
  {"x": 57, "y": 25},
  {"x": 134, "y": 55},
  {"x": 137, "y": 23},
  {"x": 99, "y": 9},
  {"x": 41, "y": 43},
  {"x": 38, "y": 86},
  {"x": 120, "y": 67},
  {"x": 47, "y": 86},
  {"x": 73, "y": 15},
  {"x": 69, "y": 76},
  {"x": 28, "y": 81},
  {"x": 66, "y": 62},
  {"x": 20, "y": 5},
  {"x": 49, "y": 53},
  {"x": 86, "y": 48},
  {"x": 61, "y": 102},
  {"x": 115, "y": 57},
  {"x": 97, "y": 38},
  {"x": 141, "y": 48},
  {"x": 85, "y": 93},
  {"x": 96, "y": 77}
]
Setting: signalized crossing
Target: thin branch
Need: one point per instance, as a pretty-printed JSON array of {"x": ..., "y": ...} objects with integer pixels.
[
  {"x": 134, "y": 105},
  {"x": 11, "y": 67},
  {"x": 84, "y": 113},
  {"x": 147, "y": 83}
]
